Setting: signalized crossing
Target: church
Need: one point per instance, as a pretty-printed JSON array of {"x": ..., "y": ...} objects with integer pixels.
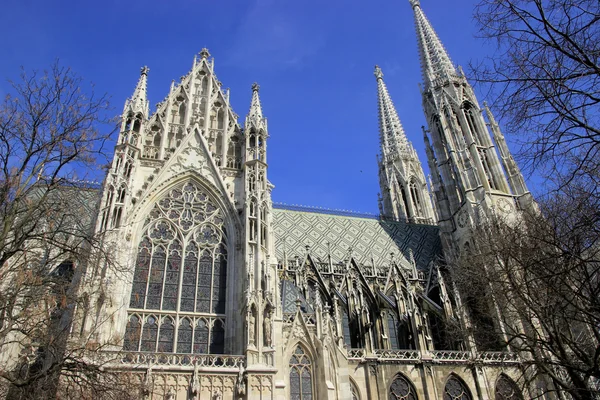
[{"x": 225, "y": 295}]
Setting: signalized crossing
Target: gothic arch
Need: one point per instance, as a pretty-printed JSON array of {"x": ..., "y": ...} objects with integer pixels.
[
  {"x": 301, "y": 376},
  {"x": 401, "y": 388},
  {"x": 354, "y": 390},
  {"x": 507, "y": 389},
  {"x": 456, "y": 389},
  {"x": 183, "y": 264}
]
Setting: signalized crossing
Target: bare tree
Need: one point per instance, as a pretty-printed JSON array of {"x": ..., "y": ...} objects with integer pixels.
[
  {"x": 546, "y": 78},
  {"x": 540, "y": 279},
  {"x": 52, "y": 137}
]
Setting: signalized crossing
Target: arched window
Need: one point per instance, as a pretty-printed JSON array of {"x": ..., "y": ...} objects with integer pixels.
[
  {"x": 455, "y": 389},
  {"x": 402, "y": 389},
  {"x": 506, "y": 389},
  {"x": 301, "y": 386},
  {"x": 181, "y": 267},
  {"x": 392, "y": 323}
]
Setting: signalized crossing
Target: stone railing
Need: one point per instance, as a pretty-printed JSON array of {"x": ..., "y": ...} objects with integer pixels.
[
  {"x": 356, "y": 354},
  {"x": 398, "y": 355},
  {"x": 165, "y": 360},
  {"x": 450, "y": 355},
  {"x": 498, "y": 357}
]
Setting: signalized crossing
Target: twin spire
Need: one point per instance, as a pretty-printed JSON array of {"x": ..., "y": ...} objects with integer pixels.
[
  {"x": 392, "y": 136},
  {"x": 435, "y": 62}
]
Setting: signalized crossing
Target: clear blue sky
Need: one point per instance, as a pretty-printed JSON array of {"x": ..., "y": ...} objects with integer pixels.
[{"x": 313, "y": 59}]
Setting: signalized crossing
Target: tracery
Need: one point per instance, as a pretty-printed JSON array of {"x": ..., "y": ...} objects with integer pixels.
[
  {"x": 300, "y": 376},
  {"x": 402, "y": 389},
  {"x": 177, "y": 300}
]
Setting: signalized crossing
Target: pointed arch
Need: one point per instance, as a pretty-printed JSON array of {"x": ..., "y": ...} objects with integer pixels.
[
  {"x": 181, "y": 273},
  {"x": 456, "y": 389},
  {"x": 401, "y": 388},
  {"x": 507, "y": 389},
  {"x": 354, "y": 389},
  {"x": 301, "y": 375}
]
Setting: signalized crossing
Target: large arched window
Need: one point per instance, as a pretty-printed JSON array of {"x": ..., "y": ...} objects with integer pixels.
[
  {"x": 455, "y": 389},
  {"x": 177, "y": 299},
  {"x": 301, "y": 382},
  {"x": 506, "y": 389},
  {"x": 402, "y": 389}
]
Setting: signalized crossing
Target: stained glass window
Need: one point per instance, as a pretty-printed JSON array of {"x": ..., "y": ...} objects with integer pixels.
[
  {"x": 456, "y": 390},
  {"x": 393, "y": 330},
  {"x": 506, "y": 389},
  {"x": 149, "y": 333},
  {"x": 402, "y": 389},
  {"x": 132, "y": 338},
  {"x": 300, "y": 376},
  {"x": 166, "y": 336},
  {"x": 184, "y": 336},
  {"x": 181, "y": 267},
  {"x": 201, "y": 337}
]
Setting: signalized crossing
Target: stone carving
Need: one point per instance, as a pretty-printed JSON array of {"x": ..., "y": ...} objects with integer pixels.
[
  {"x": 241, "y": 382},
  {"x": 195, "y": 385},
  {"x": 251, "y": 326},
  {"x": 268, "y": 328}
]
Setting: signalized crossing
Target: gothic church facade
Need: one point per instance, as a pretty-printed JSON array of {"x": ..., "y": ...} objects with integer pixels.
[{"x": 226, "y": 296}]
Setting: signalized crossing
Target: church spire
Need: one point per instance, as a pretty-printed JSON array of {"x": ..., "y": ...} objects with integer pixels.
[
  {"x": 435, "y": 61},
  {"x": 255, "y": 116},
  {"x": 138, "y": 103},
  {"x": 404, "y": 194},
  {"x": 392, "y": 136}
]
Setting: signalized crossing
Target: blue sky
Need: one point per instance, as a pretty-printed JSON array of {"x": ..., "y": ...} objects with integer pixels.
[{"x": 313, "y": 59}]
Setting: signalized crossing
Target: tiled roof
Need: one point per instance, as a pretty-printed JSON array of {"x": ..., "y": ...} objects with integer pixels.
[{"x": 371, "y": 240}]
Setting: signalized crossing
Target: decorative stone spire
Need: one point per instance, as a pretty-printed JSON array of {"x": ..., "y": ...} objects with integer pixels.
[
  {"x": 255, "y": 116},
  {"x": 138, "y": 103},
  {"x": 435, "y": 61},
  {"x": 404, "y": 194},
  {"x": 392, "y": 136}
]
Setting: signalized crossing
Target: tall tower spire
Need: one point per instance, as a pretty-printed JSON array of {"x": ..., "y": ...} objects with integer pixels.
[
  {"x": 401, "y": 178},
  {"x": 392, "y": 136},
  {"x": 469, "y": 178},
  {"x": 435, "y": 62},
  {"x": 138, "y": 103}
]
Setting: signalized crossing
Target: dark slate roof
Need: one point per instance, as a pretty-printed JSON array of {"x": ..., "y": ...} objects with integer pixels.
[{"x": 371, "y": 239}]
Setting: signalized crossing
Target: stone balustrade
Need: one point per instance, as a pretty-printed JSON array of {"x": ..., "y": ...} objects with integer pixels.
[{"x": 167, "y": 360}]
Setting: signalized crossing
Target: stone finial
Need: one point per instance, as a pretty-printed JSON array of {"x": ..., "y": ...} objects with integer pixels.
[
  {"x": 144, "y": 70},
  {"x": 378, "y": 72},
  {"x": 204, "y": 54},
  {"x": 414, "y": 3},
  {"x": 255, "y": 87}
]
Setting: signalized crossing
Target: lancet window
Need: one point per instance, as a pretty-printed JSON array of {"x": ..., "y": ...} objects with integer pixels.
[
  {"x": 402, "y": 389},
  {"x": 301, "y": 382},
  {"x": 455, "y": 389},
  {"x": 178, "y": 295}
]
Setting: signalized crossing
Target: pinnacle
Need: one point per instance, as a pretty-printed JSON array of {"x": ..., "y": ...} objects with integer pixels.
[
  {"x": 414, "y": 3},
  {"x": 138, "y": 103},
  {"x": 204, "y": 54},
  {"x": 255, "y": 115},
  {"x": 378, "y": 72}
]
